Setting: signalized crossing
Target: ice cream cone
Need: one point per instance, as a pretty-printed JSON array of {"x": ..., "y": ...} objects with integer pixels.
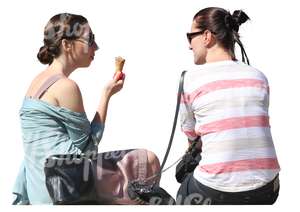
[{"x": 119, "y": 62}]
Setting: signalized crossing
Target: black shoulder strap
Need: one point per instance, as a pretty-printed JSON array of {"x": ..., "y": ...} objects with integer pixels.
[{"x": 180, "y": 92}]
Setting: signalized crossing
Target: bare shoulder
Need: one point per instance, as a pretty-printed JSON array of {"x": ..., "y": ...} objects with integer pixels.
[
  {"x": 68, "y": 95},
  {"x": 63, "y": 93},
  {"x": 68, "y": 85}
]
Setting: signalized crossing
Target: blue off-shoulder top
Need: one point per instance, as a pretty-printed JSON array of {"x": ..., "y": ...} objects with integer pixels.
[{"x": 49, "y": 130}]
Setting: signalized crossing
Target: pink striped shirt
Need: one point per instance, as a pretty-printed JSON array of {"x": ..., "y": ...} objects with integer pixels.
[{"x": 226, "y": 103}]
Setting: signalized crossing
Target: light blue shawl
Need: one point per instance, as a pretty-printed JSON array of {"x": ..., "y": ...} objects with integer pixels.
[{"x": 49, "y": 130}]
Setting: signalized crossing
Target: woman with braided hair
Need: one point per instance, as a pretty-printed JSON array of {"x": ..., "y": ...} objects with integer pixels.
[{"x": 225, "y": 110}]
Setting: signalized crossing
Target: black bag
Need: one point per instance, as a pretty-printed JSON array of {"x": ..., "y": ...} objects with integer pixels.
[
  {"x": 188, "y": 162},
  {"x": 149, "y": 194},
  {"x": 70, "y": 179}
]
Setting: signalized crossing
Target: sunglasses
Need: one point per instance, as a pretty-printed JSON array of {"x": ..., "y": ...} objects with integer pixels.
[
  {"x": 191, "y": 35},
  {"x": 90, "y": 41}
]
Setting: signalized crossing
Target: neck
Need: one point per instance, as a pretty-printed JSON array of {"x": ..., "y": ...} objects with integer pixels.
[
  {"x": 216, "y": 54},
  {"x": 60, "y": 66}
]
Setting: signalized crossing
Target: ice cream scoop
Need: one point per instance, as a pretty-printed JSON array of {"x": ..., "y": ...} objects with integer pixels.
[{"x": 119, "y": 63}]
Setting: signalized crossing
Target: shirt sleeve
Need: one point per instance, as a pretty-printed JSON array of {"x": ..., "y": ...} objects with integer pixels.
[
  {"x": 83, "y": 134},
  {"x": 187, "y": 119},
  {"x": 94, "y": 137},
  {"x": 96, "y": 132}
]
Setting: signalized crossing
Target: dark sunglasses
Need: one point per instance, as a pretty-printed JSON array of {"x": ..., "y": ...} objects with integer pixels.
[
  {"x": 90, "y": 40},
  {"x": 191, "y": 35}
]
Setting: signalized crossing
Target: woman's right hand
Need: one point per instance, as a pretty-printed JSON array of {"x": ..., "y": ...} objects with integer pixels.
[{"x": 114, "y": 86}]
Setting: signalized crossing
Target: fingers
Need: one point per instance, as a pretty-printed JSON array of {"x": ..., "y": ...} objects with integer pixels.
[
  {"x": 116, "y": 84},
  {"x": 119, "y": 76},
  {"x": 120, "y": 83}
]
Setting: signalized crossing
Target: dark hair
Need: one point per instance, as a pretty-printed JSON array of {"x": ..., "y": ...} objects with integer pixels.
[
  {"x": 60, "y": 26},
  {"x": 224, "y": 26}
]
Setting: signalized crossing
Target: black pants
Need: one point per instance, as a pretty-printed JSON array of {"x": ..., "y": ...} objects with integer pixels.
[{"x": 192, "y": 192}]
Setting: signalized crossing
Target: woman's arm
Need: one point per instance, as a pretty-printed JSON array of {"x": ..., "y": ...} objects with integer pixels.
[
  {"x": 101, "y": 112},
  {"x": 70, "y": 97},
  {"x": 110, "y": 89}
]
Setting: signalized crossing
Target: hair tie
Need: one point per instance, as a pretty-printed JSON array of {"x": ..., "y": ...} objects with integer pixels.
[{"x": 230, "y": 23}]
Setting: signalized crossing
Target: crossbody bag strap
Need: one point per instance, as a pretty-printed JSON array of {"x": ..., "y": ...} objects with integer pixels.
[
  {"x": 158, "y": 174},
  {"x": 179, "y": 94}
]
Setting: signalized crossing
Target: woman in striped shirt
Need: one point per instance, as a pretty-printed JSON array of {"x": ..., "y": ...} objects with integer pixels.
[{"x": 225, "y": 103}]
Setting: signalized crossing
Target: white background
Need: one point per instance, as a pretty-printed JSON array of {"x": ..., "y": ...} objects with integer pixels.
[{"x": 150, "y": 35}]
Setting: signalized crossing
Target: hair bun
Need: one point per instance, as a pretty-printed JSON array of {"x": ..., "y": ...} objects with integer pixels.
[
  {"x": 240, "y": 17},
  {"x": 44, "y": 55},
  {"x": 230, "y": 23}
]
